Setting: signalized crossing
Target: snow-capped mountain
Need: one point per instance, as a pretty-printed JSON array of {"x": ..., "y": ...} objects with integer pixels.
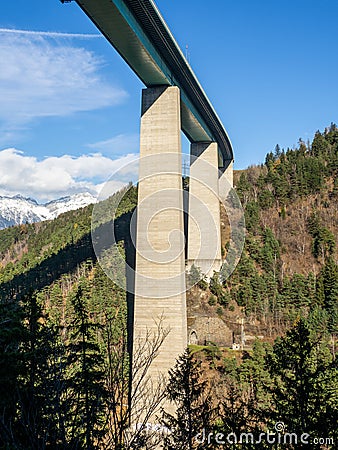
[
  {"x": 17, "y": 210},
  {"x": 64, "y": 204}
]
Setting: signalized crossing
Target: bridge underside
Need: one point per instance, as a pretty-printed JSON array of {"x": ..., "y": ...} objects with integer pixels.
[{"x": 138, "y": 32}]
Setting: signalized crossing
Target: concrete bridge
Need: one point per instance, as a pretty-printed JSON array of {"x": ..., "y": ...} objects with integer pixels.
[{"x": 173, "y": 100}]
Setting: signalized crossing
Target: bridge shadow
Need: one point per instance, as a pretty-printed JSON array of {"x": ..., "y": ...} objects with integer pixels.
[{"x": 68, "y": 259}]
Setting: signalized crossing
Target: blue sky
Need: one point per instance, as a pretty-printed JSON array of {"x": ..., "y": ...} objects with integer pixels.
[{"x": 70, "y": 106}]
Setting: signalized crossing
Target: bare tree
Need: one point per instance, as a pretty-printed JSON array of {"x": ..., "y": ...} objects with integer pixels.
[{"x": 134, "y": 397}]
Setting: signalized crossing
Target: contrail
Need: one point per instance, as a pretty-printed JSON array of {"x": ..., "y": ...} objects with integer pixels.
[{"x": 50, "y": 33}]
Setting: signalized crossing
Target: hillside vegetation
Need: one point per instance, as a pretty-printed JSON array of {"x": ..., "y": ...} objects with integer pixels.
[
  {"x": 63, "y": 322},
  {"x": 289, "y": 264}
]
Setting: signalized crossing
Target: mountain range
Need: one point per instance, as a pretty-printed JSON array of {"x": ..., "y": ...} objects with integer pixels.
[{"x": 18, "y": 209}]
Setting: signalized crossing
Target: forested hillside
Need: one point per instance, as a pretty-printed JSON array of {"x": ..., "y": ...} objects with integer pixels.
[
  {"x": 64, "y": 365},
  {"x": 289, "y": 265},
  {"x": 63, "y": 336}
]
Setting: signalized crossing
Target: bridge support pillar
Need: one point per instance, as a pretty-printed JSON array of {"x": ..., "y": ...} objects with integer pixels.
[
  {"x": 160, "y": 257},
  {"x": 226, "y": 180},
  {"x": 227, "y": 174},
  {"x": 204, "y": 229}
]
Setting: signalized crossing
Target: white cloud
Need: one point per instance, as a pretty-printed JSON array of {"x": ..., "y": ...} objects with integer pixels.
[
  {"x": 118, "y": 144},
  {"x": 54, "y": 177},
  {"x": 42, "y": 76},
  {"x": 53, "y": 34}
]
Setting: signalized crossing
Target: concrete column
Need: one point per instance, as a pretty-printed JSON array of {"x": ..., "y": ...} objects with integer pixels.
[
  {"x": 226, "y": 179},
  {"x": 160, "y": 257},
  {"x": 204, "y": 233}
]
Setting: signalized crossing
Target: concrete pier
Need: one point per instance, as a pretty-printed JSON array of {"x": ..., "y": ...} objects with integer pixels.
[
  {"x": 226, "y": 179},
  {"x": 204, "y": 240},
  {"x": 160, "y": 257}
]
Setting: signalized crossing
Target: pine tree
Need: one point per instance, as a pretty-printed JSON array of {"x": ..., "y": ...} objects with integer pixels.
[
  {"x": 33, "y": 376},
  {"x": 320, "y": 146},
  {"x": 278, "y": 152},
  {"x": 41, "y": 353},
  {"x": 304, "y": 381},
  {"x": 330, "y": 284},
  {"x": 12, "y": 333},
  {"x": 244, "y": 398},
  {"x": 252, "y": 217},
  {"x": 190, "y": 395},
  {"x": 86, "y": 390}
]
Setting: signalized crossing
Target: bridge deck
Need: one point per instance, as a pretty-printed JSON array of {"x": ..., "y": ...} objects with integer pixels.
[{"x": 136, "y": 29}]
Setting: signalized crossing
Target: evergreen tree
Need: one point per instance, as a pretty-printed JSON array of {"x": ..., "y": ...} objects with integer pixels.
[
  {"x": 86, "y": 375},
  {"x": 236, "y": 401},
  {"x": 323, "y": 244},
  {"x": 304, "y": 382},
  {"x": 270, "y": 252},
  {"x": 216, "y": 289},
  {"x": 320, "y": 146},
  {"x": 330, "y": 286},
  {"x": 278, "y": 152},
  {"x": 269, "y": 161},
  {"x": 32, "y": 378},
  {"x": 252, "y": 217},
  {"x": 38, "y": 418},
  {"x": 12, "y": 333},
  {"x": 191, "y": 398},
  {"x": 196, "y": 277}
]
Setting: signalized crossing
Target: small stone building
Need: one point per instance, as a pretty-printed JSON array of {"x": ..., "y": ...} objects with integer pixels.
[{"x": 203, "y": 329}]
